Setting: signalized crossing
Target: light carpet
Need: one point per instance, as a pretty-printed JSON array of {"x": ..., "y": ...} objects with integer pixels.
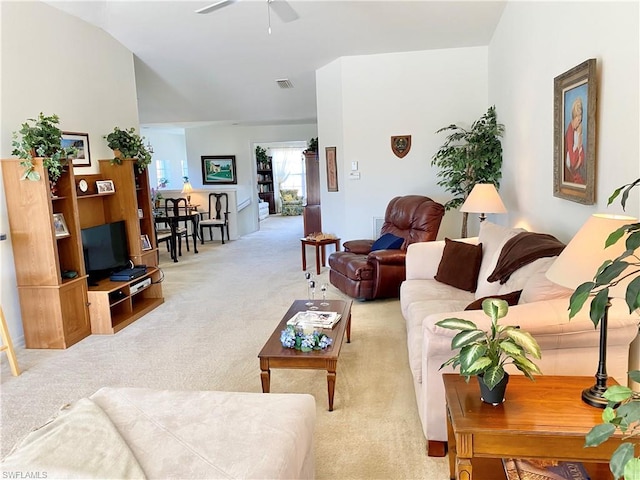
[{"x": 220, "y": 307}]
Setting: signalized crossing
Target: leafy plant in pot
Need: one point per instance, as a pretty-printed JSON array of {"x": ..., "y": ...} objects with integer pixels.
[
  {"x": 41, "y": 137},
  {"x": 469, "y": 156},
  {"x": 485, "y": 353},
  {"x": 128, "y": 144},
  {"x": 623, "y": 411}
]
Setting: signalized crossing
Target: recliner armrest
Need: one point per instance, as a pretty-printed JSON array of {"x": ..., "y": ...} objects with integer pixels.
[
  {"x": 388, "y": 257},
  {"x": 360, "y": 247}
]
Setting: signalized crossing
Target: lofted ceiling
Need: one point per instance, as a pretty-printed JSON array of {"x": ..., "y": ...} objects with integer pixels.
[{"x": 223, "y": 66}]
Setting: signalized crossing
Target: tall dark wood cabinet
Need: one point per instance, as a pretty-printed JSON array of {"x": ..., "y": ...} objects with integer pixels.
[
  {"x": 265, "y": 183},
  {"x": 311, "y": 214}
]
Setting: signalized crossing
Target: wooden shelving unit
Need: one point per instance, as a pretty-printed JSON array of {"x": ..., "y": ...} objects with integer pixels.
[
  {"x": 58, "y": 311},
  {"x": 265, "y": 183},
  {"x": 54, "y": 309}
]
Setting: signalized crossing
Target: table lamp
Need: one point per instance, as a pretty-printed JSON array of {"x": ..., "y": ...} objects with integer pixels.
[
  {"x": 187, "y": 188},
  {"x": 484, "y": 198},
  {"x": 577, "y": 264}
]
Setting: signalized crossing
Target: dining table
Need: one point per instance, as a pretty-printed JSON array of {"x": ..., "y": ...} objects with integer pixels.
[{"x": 173, "y": 220}]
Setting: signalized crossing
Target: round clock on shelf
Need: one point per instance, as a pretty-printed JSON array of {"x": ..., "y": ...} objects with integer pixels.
[{"x": 83, "y": 187}]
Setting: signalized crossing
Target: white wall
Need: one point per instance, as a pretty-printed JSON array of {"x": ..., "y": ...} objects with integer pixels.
[
  {"x": 363, "y": 101},
  {"x": 535, "y": 42},
  {"x": 46, "y": 68},
  {"x": 238, "y": 140}
]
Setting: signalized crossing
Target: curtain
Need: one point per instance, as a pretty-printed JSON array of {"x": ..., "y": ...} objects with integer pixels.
[{"x": 288, "y": 170}]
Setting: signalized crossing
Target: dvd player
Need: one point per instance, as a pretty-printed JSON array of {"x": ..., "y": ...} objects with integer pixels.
[{"x": 128, "y": 274}]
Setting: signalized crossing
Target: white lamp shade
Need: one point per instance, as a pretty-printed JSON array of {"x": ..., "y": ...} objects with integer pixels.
[
  {"x": 585, "y": 253},
  {"x": 484, "y": 198},
  {"x": 187, "y": 188}
]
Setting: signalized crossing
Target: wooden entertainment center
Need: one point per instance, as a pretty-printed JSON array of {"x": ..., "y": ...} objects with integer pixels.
[{"x": 59, "y": 307}]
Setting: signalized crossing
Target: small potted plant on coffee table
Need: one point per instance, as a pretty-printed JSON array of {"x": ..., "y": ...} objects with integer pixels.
[{"x": 485, "y": 353}]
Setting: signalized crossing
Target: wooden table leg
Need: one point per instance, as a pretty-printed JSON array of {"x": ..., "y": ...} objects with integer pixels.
[
  {"x": 265, "y": 375},
  {"x": 318, "y": 258},
  {"x": 304, "y": 256},
  {"x": 324, "y": 255},
  {"x": 331, "y": 380},
  {"x": 349, "y": 328}
]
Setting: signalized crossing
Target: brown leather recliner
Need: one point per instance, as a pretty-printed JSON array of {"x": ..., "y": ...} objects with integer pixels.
[{"x": 365, "y": 274}]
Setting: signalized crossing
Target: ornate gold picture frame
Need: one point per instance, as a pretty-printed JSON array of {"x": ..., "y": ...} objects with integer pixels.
[{"x": 574, "y": 134}]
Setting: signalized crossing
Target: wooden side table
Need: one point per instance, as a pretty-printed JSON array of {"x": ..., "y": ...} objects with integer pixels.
[
  {"x": 541, "y": 419},
  {"x": 320, "y": 246}
]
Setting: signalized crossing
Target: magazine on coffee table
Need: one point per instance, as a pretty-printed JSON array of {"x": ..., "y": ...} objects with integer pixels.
[{"x": 315, "y": 318}]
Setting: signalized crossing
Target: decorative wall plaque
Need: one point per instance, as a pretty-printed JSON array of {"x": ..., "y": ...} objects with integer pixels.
[{"x": 401, "y": 144}]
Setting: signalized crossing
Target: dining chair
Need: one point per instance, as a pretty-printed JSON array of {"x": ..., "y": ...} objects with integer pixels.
[
  {"x": 172, "y": 207},
  {"x": 217, "y": 216}
]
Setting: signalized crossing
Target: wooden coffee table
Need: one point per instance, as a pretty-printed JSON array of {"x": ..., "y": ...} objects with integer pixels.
[
  {"x": 542, "y": 419},
  {"x": 320, "y": 246},
  {"x": 274, "y": 355}
]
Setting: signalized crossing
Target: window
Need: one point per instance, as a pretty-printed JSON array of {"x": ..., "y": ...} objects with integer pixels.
[
  {"x": 185, "y": 168},
  {"x": 161, "y": 173}
]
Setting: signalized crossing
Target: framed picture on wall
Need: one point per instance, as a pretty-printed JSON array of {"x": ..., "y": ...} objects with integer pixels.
[
  {"x": 574, "y": 134},
  {"x": 332, "y": 169},
  {"x": 81, "y": 142},
  {"x": 218, "y": 169}
]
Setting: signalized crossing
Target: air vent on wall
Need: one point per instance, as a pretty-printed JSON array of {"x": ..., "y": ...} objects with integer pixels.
[{"x": 284, "y": 83}]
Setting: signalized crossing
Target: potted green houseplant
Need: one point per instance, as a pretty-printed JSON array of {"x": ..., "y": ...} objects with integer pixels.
[
  {"x": 41, "y": 137},
  {"x": 312, "y": 145},
  {"x": 485, "y": 353},
  {"x": 623, "y": 412},
  {"x": 469, "y": 156},
  {"x": 128, "y": 144}
]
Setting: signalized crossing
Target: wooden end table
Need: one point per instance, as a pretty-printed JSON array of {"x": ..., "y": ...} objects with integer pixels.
[
  {"x": 319, "y": 245},
  {"x": 541, "y": 419},
  {"x": 274, "y": 355}
]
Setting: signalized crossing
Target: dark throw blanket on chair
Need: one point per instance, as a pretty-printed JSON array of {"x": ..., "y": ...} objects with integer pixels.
[{"x": 523, "y": 249}]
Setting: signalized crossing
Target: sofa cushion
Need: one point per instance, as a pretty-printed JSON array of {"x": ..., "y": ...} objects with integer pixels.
[
  {"x": 493, "y": 237},
  {"x": 538, "y": 287},
  {"x": 460, "y": 265},
  {"x": 511, "y": 298},
  {"x": 416, "y": 314},
  {"x": 388, "y": 241}
]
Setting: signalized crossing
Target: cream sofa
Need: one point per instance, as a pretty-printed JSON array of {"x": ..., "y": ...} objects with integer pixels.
[
  {"x": 568, "y": 347},
  {"x": 140, "y": 433}
]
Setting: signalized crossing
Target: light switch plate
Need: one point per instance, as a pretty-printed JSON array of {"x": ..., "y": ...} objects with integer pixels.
[{"x": 354, "y": 166}]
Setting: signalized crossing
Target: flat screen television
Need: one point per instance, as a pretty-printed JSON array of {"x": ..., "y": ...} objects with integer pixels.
[{"x": 105, "y": 249}]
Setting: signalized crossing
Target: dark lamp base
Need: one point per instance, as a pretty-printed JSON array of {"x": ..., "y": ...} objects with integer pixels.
[{"x": 593, "y": 396}]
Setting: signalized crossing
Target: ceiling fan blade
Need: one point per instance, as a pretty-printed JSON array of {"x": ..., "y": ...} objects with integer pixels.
[
  {"x": 283, "y": 10},
  {"x": 216, "y": 6}
]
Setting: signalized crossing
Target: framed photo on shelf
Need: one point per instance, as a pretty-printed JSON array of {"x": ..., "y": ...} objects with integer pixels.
[
  {"x": 140, "y": 213},
  {"x": 60, "y": 226},
  {"x": 146, "y": 243},
  {"x": 332, "y": 169},
  {"x": 574, "y": 134},
  {"x": 218, "y": 169},
  {"x": 105, "y": 186},
  {"x": 80, "y": 141}
]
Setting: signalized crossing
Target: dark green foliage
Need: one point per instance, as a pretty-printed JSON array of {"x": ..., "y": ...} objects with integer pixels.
[
  {"x": 469, "y": 157},
  {"x": 131, "y": 145}
]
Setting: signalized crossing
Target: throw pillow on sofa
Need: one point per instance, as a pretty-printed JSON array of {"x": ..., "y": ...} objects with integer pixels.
[
  {"x": 388, "y": 241},
  {"x": 511, "y": 298},
  {"x": 460, "y": 265}
]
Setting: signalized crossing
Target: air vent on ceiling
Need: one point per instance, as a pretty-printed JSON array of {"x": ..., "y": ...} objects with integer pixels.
[{"x": 284, "y": 83}]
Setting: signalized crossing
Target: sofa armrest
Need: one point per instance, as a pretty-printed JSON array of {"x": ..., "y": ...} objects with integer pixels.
[
  {"x": 423, "y": 258},
  {"x": 387, "y": 257},
  {"x": 360, "y": 247}
]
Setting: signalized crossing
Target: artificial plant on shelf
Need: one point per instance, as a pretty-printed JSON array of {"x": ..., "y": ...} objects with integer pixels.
[
  {"x": 128, "y": 144},
  {"x": 624, "y": 417},
  {"x": 41, "y": 137},
  {"x": 485, "y": 353},
  {"x": 469, "y": 156}
]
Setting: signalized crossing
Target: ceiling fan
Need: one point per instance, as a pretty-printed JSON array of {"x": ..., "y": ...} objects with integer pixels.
[{"x": 281, "y": 8}]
